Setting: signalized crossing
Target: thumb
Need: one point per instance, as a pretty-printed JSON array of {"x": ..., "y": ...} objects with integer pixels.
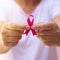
[{"x": 43, "y": 25}]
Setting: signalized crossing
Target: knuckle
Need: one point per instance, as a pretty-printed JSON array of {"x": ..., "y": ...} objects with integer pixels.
[
  {"x": 10, "y": 43},
  {"x": 48, "y": 44},
  {"x": 10, "y": 39}
]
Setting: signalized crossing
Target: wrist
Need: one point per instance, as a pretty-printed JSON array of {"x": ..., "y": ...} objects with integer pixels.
[{"x": 4, "y": 49}]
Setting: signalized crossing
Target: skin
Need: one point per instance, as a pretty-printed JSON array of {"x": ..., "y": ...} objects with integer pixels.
[
  {"x": 28, "y": 5},
  {"x": 48, "y": 33},
  {"x": 10, "y": 34}
]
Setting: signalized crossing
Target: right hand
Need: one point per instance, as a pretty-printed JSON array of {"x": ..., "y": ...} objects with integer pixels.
[{"x": 12, "y": 33}]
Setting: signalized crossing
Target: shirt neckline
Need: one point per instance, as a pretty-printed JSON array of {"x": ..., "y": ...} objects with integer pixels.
[{"x": 26, "y": 14}]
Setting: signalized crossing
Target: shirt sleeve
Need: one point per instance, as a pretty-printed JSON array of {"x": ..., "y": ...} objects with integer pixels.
[
  {"x": 3, "y": 15},
  {"x": 55, "y": 10}
]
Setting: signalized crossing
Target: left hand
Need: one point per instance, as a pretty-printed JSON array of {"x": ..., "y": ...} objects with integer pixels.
[{"x": 48, "y": 33}]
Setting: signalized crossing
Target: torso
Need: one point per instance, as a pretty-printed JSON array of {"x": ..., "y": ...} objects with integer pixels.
[{"x": 30, "y": 47}]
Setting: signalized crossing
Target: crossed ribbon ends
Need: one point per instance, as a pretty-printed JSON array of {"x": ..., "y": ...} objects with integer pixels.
[{"x": 30, "y": 23}]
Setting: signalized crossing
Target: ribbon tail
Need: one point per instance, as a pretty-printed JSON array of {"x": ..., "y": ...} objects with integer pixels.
[
  {"x": 27, "y": 31},
  {"x": 33, "y": 32}
]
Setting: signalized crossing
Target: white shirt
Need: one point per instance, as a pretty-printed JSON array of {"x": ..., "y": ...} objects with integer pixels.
[{"x": 29, "y": 47}]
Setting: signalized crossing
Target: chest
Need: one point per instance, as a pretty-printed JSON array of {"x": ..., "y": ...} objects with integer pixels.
[{"x": 40, "y": 15}]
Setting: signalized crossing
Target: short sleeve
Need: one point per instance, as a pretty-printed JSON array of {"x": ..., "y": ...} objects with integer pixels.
[
  {"x": 3, "y": 10},
  {"x": 3, "y": 14},
  {"x": 55, "y": 10}
]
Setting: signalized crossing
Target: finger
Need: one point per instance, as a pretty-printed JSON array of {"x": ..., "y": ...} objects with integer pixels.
[
  {"x": 36, "y": 26},
  {"x": 48, "y": 43},
  {"x": 11, "y": 44},
  {"x": 12, "y": 26},
  {"x": 46, "y": 26},
  {"x": 11, "y": 33},
  {"x": 10, "y": 39},
  {"x": 23, "y": 25},
  {"x": 49, "y": 27},
  {"x": 48, "y": 40},
  {"x": 49, "y": 37},
  {"x": 54, "y": 30},
  {"x": 47, "y": 32}
]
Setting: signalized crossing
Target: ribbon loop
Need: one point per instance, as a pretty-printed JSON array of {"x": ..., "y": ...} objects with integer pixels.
[{"x": 30, "y": 23}]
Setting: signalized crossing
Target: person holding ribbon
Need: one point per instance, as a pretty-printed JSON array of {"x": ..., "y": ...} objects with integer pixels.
[{"x": 29, "y": 29}]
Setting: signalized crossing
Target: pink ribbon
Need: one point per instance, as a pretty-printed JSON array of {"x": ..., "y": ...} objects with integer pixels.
[{"x": 30, "y": 23}]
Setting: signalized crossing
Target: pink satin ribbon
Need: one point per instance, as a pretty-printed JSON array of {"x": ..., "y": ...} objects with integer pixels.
[{"x": 30, "y": 23}]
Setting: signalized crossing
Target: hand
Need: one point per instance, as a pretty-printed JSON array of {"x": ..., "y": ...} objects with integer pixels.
[
  {"x": 48, "y": 33},
  {"x": 12, "y": 33}
]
